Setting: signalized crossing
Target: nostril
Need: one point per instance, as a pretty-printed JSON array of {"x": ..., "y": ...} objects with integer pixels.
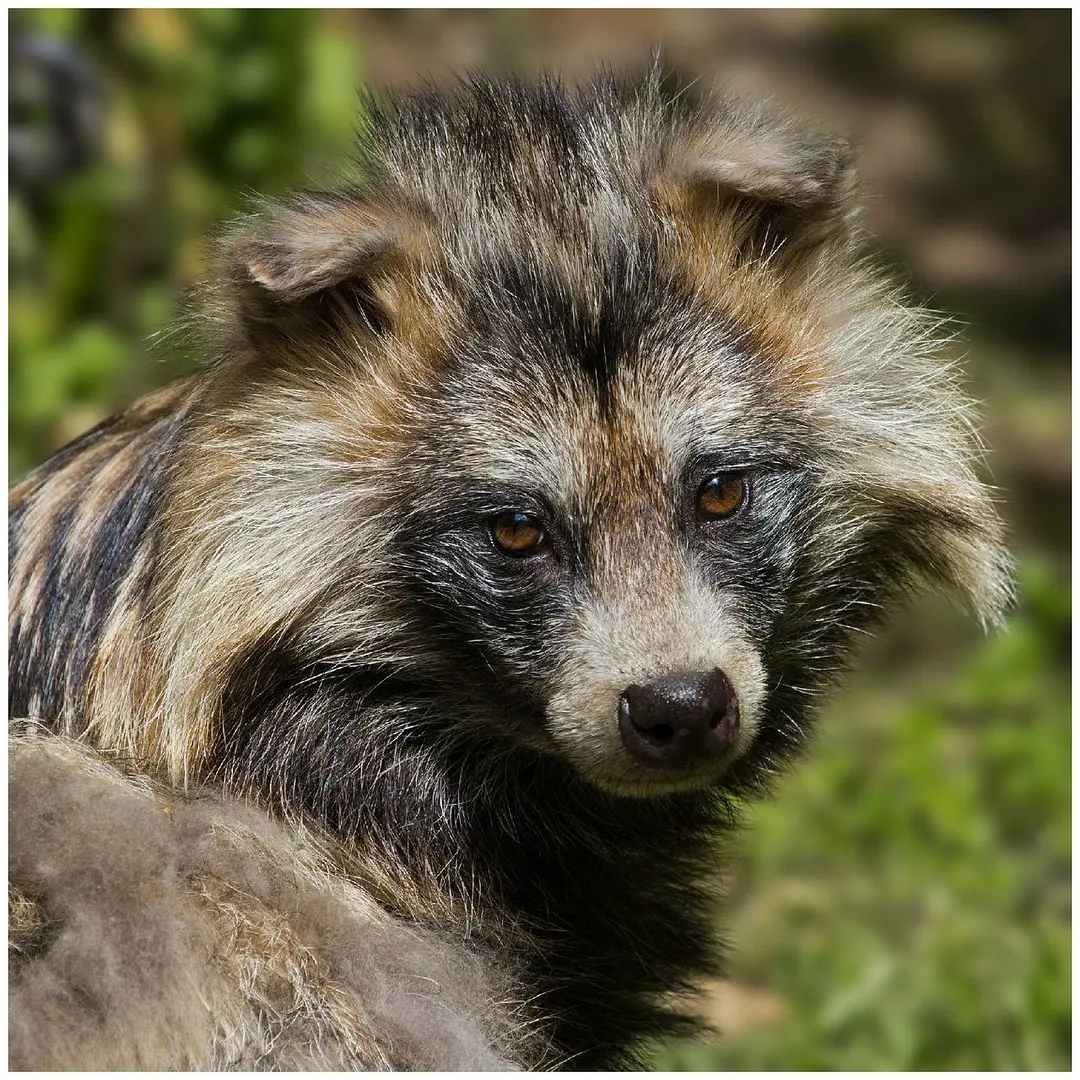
[
  {"x": 658, "y": 734},
  {"x": 643, "y": 716}
]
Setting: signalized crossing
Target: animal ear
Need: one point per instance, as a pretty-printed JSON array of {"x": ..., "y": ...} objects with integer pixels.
[
  {"x": 313, "y": 244},
  {"x": 778, "y": 186}
]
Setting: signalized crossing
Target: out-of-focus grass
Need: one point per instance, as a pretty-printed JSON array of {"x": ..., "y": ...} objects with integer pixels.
[{"x": 906, "y": 894}]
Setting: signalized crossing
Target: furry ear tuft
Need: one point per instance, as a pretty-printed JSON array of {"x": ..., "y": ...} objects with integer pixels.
[
  {"x": 316, "y": 242},
  {"x": 797, "y": 190},
  {"x": 771, "y": 168}
]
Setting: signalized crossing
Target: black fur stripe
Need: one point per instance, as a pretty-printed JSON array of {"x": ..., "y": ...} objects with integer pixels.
[{"x": 51, "y": 650}]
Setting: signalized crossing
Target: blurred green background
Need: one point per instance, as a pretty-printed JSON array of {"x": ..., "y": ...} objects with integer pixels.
[{"x": 904, "y": 901}]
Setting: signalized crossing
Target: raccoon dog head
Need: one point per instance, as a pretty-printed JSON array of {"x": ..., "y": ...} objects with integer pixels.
[{"x": 597, "y": 423}]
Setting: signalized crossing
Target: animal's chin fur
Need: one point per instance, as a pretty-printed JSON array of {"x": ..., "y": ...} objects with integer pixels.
[{"x": 655, "y": 786}]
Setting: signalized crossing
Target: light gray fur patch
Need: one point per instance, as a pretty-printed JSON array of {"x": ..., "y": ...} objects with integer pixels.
[{"x": 194, "y": 932}]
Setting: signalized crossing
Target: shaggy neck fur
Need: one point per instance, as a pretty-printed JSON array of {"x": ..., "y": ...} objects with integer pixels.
[{"x": 602, "y": 903}]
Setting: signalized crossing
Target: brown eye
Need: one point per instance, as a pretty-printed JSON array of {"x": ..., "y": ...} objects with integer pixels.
[
  {"x": 721, "y": 496},
  {"x": 519, "y": 534}
]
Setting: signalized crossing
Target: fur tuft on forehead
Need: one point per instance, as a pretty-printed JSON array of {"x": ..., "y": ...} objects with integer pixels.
[{"x": 568, "y": 178}]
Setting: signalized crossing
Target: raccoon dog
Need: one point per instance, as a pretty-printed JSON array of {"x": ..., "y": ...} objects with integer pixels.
[{"x": 537, "y": 484}]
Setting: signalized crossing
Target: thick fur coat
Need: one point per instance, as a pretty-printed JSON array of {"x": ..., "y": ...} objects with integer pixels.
[
  {"x": 158, "y": 930},
  {"x": 536, "y": 486}
]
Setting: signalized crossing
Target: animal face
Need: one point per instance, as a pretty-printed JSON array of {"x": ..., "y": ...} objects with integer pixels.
[
  {"x": 616, "y": 545},
  {"x": 648, "y": 442}
]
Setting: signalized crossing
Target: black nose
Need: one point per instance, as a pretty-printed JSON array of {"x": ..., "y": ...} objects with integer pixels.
[{"x": 680, "y": 721}]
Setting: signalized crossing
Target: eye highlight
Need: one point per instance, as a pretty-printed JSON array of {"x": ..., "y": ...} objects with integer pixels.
[
  {"x": 722, "y": 496},
  {"x": 520, "y": 535}
]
